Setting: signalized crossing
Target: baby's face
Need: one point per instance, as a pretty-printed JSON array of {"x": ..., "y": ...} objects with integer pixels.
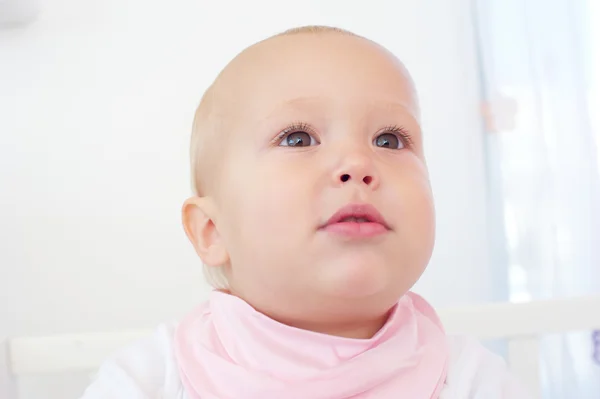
[{"x": 322, "y": 124}]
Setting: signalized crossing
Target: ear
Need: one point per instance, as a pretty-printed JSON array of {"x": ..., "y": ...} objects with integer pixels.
[{"x": 197, "y": 214}]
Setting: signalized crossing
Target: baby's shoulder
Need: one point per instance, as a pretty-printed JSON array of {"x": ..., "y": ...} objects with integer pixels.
[
  {"x": 144, "y": 369},
  {"x": 474, "y": 372}
]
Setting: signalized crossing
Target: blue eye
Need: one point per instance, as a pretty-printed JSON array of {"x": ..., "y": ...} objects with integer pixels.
[
  {"x": 388, "y": 140},
  {"x": 298, "y": 139}
]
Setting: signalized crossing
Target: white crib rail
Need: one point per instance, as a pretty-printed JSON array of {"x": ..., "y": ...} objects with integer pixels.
[{"x": 521, "y": 324}]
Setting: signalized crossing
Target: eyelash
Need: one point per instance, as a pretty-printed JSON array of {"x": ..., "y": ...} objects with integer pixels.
[
  {"x": 399, "y": 132},
  {"x": 295, "y": 127}
]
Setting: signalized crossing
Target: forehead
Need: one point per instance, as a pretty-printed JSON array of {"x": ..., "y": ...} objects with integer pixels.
[{"x": 312, "y": 72}]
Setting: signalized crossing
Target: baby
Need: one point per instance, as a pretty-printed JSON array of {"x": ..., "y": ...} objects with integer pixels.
[{"x": 314, "y": 217}]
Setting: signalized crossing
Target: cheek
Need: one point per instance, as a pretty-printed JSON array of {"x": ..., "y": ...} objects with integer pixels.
[
  {"x": 418, "y": 200},
  {"x": 268, "y": 205},
  {"x": 414, "y": 214},
  {"x": 417, "y": 219},
  {"x": 412, "y": 190},
  {"x": 279, "y": 197}
]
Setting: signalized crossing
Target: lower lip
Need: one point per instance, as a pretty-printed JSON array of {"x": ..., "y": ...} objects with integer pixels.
[{"x": 356, "y": 230}]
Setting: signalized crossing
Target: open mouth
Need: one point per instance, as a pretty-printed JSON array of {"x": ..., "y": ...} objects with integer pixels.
[
  {"x": 354, "y": 219},
  {"x": 357, "y": 213},
  {"x": 357, "y": 220}
]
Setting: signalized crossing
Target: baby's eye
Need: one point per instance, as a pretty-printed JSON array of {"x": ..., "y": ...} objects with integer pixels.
[
  {"x": 388, "y": 140},
  {"x": 298, "y": 139}
]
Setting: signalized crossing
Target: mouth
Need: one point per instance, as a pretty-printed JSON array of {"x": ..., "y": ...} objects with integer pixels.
[{"x": 357, "y": 220}]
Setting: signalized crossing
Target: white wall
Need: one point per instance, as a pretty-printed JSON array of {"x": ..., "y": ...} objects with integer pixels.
[{"x": 96, "y": 103}]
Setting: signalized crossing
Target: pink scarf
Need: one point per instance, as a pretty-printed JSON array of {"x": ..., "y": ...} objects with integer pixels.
[{"x": 227, "y": 350}]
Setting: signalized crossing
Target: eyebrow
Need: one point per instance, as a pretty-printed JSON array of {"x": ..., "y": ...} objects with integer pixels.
[
  {"x": 301, "y": 102},
  {"x": 295, "y": 103}
]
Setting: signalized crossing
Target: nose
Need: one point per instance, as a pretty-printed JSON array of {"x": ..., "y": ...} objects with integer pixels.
[
  {"x": 357, "y": 168},
  {"x": 365, "y": 179}
]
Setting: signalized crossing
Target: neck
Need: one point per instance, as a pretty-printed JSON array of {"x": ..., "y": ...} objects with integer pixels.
[{"x": 361, "y": 328}]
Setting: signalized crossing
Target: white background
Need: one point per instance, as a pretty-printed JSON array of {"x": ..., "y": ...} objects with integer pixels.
[{"x": 96, "y": 105}]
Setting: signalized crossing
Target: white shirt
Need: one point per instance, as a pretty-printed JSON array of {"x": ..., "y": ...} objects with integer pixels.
[{"x": 148, "y": 370}]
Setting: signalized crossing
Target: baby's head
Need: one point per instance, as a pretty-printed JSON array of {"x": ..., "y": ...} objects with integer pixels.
[{"x": 295, "y": 129}]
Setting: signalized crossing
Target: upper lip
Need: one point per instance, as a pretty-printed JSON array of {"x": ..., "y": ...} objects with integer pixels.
[{"x": 363, "y": 211}]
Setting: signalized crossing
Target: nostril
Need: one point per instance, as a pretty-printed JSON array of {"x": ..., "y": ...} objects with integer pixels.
[
  {"x": 345, "y": 178},
  {"x": 368, "y": 180}
]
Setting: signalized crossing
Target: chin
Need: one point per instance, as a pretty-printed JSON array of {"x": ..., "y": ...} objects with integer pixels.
[{"x": 355, "y": 278}]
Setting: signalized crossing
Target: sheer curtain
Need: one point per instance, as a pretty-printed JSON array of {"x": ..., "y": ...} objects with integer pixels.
[{"x": 541, "y": 82}]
